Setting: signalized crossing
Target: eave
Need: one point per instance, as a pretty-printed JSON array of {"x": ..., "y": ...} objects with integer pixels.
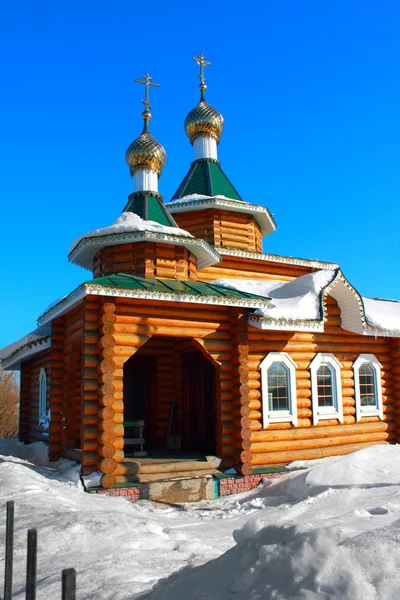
[
  {"x": 85, "y": 250},
  {"x": 88, "y": 288},
  {"x": 260, "y": 213}
]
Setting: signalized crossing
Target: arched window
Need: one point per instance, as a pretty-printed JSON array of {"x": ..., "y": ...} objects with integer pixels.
[
  {"x": 326, "y": 389},
  {"x": 278, "y": 380},
  {"x": 367, "y": 386},
  {"x": 42, "y": 397}
]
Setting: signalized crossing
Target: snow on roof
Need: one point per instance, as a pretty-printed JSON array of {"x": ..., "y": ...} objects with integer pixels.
[
  {"x": 299, "y": 299},
  {"x": 194, "y": 197},
  {"x": 129, "y": 222},
  {"x": 384, "y": 315},
  {"x": 31, "y": 340}
]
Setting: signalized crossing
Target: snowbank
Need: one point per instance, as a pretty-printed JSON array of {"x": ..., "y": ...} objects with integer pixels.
[
  {"x": 298, "y": 299},
  {"x": 129, "y": 222},
  {"x": 383, "y": 314},
  {"x": 331, "y": 532}
]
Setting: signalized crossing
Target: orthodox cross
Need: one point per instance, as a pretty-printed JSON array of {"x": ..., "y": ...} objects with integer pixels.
[
  {"x": 146, "y": 81},
  {"x": 202, "y": 63}
]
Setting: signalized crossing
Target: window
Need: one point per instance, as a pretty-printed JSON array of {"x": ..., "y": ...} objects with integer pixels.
[
  {"x": 326, "y": 389},
  {"x": 367, "y": 386},
  {"x": 43, "y": 417},
  {"x": 278, "y": 380}
]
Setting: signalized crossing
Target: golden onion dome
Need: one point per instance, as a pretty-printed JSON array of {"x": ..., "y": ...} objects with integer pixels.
[
  {"x": 145, "y": 151},
  {"x": 203, "y": 119}
]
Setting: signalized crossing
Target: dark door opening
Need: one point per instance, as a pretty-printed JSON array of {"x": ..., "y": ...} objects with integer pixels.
[
  {"x": 139, "y": 393},
  {"x": 198, "y": 403}
]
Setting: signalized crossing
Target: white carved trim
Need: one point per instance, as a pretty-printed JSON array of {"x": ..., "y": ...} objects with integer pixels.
[
  {"x": 269, "y": 323},
  {"x": 279, "y": 416},
  {"x": 335, "y": 412},
  {"x": 86, "y": 289},
  {"x": 288, "y": 260},
  {"x": 15, "y": 359},
  {"x": 368, "y": 411},
  {"x": 260, "y": 213},
  {"x": 84, "y": 252}
]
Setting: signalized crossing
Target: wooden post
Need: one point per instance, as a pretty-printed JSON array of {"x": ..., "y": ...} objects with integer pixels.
[
  {"x": 56, "y": 388},
  {"x": 25, "y": 401},
  {"x": 106, "y": 413},
  {"x": 241, "y": 400},
  {"x": 68, "y": 584},
  {"x": 90, "y": 385},
  {"x": 31, "y": 566},
  {"x": 8, "y": 573}
]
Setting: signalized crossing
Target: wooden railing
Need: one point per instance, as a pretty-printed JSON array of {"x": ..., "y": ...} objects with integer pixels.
[{"x": 68, "y": 579}]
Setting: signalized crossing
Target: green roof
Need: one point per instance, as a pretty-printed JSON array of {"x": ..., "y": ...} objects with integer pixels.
[
  {"x": 205, "y": 177},
  {"x": 193, "y": 288},
  {"x": 150, "y": 207}
]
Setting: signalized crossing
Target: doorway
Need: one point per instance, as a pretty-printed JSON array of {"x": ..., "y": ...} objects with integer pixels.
[{"x": 198, "y": 403}]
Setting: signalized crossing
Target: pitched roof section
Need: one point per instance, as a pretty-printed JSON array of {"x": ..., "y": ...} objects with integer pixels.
[
  {"x": 205, "y": 177},
  {"x": 150, "y": 207},
  {"x": 174, "y": 286}
]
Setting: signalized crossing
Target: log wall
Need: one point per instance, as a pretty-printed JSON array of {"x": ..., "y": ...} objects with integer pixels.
[
  {"x": 71, "y": 373},
  {"x": 146, "y": 259},
  {"x": 56, "y": 388},
  {"x": 282, "y": 442},
  {"x": 31, "y": 431},
  {"x": 237, "y": 267},
  {"x": 222, "y": 228},
  {"x": 135, "y": 323}
]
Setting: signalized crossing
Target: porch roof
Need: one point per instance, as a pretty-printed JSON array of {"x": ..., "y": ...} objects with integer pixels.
[{"x": 191, "y": 287}]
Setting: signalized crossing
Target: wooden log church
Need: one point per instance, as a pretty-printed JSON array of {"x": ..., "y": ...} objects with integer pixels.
[{"x": 191, "y": 349}]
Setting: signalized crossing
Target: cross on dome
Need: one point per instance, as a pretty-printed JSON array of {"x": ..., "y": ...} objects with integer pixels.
[
  {"x": 201, "y": 61},
  {"x": 146, "y": 81}
]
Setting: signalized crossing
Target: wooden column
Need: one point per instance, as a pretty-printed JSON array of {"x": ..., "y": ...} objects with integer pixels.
[
  {"x": 106, "y": 434},
  {"x": 56, "y": 388},
  {"x": 241, "y": 391},
  {"x": 396, "y": 384},
  {"x": 25, "y": 402},
  {"x": 90, "y": 384}
]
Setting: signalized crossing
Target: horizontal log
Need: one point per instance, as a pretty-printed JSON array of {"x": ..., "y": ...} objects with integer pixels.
[
  {"x": 322, "y": 431},
  {"x": 290, "y": 445}
]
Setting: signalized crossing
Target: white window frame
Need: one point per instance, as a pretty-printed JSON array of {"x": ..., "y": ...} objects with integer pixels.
[
  {"x": 279, "y": 416},
  {"x": 43, "y": 417},
  {"x": 326, "y": 412},
  {"x": 368, "y": 411}
]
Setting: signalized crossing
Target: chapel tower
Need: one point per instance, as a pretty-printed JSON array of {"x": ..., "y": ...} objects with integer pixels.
[
  {"x": 206, "y": 203},
  {"x": 145, "y": 240}
]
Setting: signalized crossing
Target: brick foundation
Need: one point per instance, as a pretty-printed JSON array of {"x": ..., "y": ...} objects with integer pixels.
[
  {"x": 129, "y": 493},
  {"x": 226, "y": 487},
  {"x": 238, "y": 484}
]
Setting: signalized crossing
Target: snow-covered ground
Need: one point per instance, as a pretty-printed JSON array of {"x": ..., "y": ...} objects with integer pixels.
[{"x": 331, "y": 531}]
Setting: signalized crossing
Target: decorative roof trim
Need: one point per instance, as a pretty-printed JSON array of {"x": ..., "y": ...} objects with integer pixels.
[
  {"x": 13, "y": 361},
  {"x": 84, "y": 251},
  {"x": 285, "y": 324},
  {"x": 87, "y": 289},
  {"x": 351, "y": 306},
  {"x": 289, "y": 260},
  {"x": 260, "y": 213}
]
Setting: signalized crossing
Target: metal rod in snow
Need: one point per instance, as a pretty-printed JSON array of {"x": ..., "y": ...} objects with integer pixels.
[
  {"x": 68, "y": 584},
  {"x": 8, "y": 574},
  {"x": 31, "y": 565}
]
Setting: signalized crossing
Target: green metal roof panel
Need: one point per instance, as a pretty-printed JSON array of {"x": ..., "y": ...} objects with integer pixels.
[
  {"x": 206, "y": 178},
  {"x": 221, "y": 184},
  {"x": 196, "y": 288},
  {"x": 150, "y": 208}
]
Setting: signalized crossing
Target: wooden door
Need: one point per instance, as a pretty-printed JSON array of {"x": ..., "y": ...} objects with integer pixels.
[
  {"x": 140, "y": 393},
  {"x": 198, "y": 403}
]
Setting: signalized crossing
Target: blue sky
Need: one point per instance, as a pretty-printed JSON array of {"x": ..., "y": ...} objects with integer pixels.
[{"x": 310, "y": 92}]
